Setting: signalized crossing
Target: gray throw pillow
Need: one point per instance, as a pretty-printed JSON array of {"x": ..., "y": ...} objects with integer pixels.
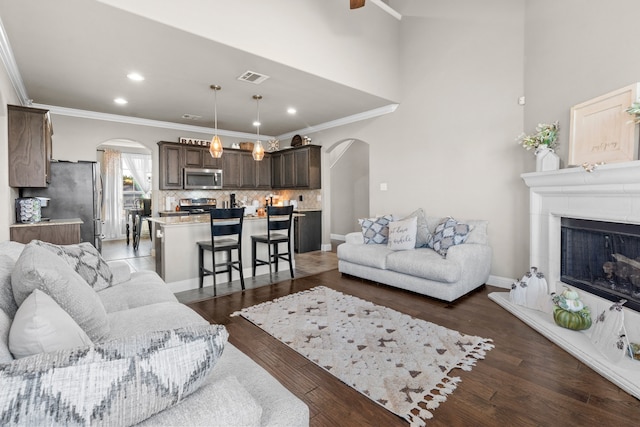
[
  {"x": 375, "y": 230},
  {"x": 7, "y": 303},
  {"x": 85, "y": 260},
  {"x": 423, "y": 235},
  {"x": 448, "y": 232},
  {"x": 119, "y": 382},
  {"x": 38, "y": 268},
  {"x": 5, "y": 326}
]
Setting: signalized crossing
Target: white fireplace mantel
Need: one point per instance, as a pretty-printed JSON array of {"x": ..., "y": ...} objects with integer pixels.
[{"x": 608, "y": 193}]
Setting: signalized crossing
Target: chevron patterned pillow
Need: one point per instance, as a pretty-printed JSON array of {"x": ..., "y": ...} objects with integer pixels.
[
  {"x": 85, "y": 259},
  {"x": 119, "y": 382}
]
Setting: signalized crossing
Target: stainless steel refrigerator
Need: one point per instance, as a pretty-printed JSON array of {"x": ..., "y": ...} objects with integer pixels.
[{"x": 75, "y": 190}]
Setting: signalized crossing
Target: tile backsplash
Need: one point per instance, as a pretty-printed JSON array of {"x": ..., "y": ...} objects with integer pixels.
[{"x": 168, "y": 199}]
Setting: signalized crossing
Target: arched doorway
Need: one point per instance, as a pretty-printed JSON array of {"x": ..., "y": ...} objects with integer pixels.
[
  {"x": 126, "y": 167},
  {"x": 349, "y": 186}
]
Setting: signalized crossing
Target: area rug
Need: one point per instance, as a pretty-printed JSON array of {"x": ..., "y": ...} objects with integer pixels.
[{"x": 399, "y": 362}]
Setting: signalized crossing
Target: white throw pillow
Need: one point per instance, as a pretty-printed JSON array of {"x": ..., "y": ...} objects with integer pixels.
[
  {"x": 41, "y": 325},
  {"x": 402, "y": 234}
]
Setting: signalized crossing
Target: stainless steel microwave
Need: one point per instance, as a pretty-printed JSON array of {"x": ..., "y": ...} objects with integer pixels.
[{"x": 202, "y": 179}]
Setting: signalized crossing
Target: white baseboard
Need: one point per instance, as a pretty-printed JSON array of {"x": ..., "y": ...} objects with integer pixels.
[
  {"x": 326, "y": 248},
  {"x": 338, "y": 237},
  {"x": 501, "y": 282}
]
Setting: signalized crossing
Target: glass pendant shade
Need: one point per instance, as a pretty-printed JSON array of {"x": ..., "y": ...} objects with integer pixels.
[
  {"x": 258, "y": 151},
  {"x": 215, "y": 149}
]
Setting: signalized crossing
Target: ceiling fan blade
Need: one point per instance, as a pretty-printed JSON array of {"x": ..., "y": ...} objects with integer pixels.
[{"x": 356, "y": 4}]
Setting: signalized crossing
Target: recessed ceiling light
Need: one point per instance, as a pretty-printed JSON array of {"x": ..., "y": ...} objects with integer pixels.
[
  {"x": 120, "y": 101},
  {"x": 291, "y": 110},
  {"x": 256, "y": 123},
  {"x": 135, "y": 77}
]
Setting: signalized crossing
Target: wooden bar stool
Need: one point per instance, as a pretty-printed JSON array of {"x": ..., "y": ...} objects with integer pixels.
[
  {"x": 225, "y": 224},
  {"x": 278, "y": 218}
]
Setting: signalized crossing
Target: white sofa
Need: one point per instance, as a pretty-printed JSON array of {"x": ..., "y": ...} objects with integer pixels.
[
  {"x": 422, "y": 270},
  {"x": 148, "y": 358}
]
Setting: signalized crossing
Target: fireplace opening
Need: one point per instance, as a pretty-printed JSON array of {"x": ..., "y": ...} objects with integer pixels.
[{"x": 602, "y": 258}]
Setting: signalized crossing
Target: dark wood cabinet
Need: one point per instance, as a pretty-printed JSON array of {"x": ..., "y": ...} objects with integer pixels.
[
  {"x": 193, "y": 157},
  {"x": 263, "y": 173},
  {"x": 199, "y": 157},
  {"x": 171, "y": 165},
  {"x": 248, "y": 172},
  {"x": 231, "y": 169},
  {"x": 255, "y": 174},
  {"x": 60, "y": 232},
  {"x": 307, "y": 228},
  {"x": 239, "y": 170},
  {"x": 209, "y": 162},
  {"x": 297, "y": 168},
  {"x": 29, "y": 146}
]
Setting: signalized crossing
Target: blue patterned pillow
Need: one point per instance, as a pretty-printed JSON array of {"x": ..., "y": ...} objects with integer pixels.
[
  {"x": 119, "y": 382},
  {"x": 376, "y": 230},
  {"x": 448, "y": 232}
]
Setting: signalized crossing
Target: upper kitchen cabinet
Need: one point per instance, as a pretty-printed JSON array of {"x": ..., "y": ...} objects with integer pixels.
[
  {"x": 297, "y": 168},
  {"x": 171, "y": 166},
  {"x": 199, "y": 157},
  {"x": 29, "y": 146},
  {"x": 256, "y": 174},
  {"x": 231, "y": 168}
]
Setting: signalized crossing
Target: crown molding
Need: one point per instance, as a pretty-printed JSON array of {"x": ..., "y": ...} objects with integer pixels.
[
  {"x": 365, "y": 115},
  {"x": 382, "y": 5},
  {"x": 9, "y": 61},
  {"x": 6, "y": 55},
  {"x": 93, "y": 115}
]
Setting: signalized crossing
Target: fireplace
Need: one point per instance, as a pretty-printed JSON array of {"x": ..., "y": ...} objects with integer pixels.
[
  {"x": 602, "y": 258},
  {"x": 597, "y": 212}
]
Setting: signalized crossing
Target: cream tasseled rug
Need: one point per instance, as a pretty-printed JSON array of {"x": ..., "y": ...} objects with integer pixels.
[{"x": 399, "y": 362}]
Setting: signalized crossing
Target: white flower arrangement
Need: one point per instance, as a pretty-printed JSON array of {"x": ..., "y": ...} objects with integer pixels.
[{"x": 546, "y": 136}]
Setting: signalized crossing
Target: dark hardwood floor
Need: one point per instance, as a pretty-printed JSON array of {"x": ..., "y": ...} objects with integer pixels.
[{"x": 524, "y": 381}]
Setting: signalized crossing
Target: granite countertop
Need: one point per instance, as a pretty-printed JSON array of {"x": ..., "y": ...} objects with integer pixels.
[
  {"x": 70, "y": 221},
  {"x": 194, "y": 219}
]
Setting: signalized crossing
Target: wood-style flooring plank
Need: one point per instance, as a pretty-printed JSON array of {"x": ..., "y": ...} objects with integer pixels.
[{"x": 526, "y": 380}]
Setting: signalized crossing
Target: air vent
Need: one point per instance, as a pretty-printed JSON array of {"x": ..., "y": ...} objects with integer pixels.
[
  {"x": 191, "y": 117},
  {"x": 253, "y": 77}
]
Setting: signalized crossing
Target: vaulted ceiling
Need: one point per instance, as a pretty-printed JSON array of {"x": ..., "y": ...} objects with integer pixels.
[{"x": 76, "y": 54}]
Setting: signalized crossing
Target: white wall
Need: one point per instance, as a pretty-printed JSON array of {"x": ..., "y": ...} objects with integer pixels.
[
  {"x": 449, "y": 147},
  {"x": 350, "y": 190},
  {"x": 585, "y": 49},
  {"x": 7, "y": 194}
]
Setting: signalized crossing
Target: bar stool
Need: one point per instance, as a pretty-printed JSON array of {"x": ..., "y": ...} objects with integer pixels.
[
  {"x": 278, "y": 218},
  {"x": 224, "y": 223}
]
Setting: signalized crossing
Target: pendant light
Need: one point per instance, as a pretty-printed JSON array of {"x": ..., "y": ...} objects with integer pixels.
[
  {"x": 215, "y": 148},
  {"x": 258, "y": 149}
]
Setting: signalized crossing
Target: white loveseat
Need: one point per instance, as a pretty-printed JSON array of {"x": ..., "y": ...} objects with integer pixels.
[
  {"x": 146, "y": 357},
  {"x": 422, "y": 270}
]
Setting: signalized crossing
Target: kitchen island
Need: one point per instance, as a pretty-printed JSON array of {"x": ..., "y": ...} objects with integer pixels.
[{"x": 176, "y": 249}]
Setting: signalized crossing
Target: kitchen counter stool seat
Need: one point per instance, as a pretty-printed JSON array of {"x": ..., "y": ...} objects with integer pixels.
[
  {"x": 278, "y": 231},
  {"x": 226, "y": 236}
]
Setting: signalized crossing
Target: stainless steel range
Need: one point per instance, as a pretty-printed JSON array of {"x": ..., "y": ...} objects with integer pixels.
[{"x": 197, "y": 206}]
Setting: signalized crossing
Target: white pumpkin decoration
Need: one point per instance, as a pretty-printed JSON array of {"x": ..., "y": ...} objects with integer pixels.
[
  {"x": 609, "y": 335},
  {"x": 531, "y": 291}
]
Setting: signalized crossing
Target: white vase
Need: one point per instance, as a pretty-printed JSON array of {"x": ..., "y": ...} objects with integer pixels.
[{"x": 546, "y": 159}]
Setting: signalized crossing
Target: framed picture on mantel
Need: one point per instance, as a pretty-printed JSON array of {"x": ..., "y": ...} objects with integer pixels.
[{"x": 602, "y": 130}]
